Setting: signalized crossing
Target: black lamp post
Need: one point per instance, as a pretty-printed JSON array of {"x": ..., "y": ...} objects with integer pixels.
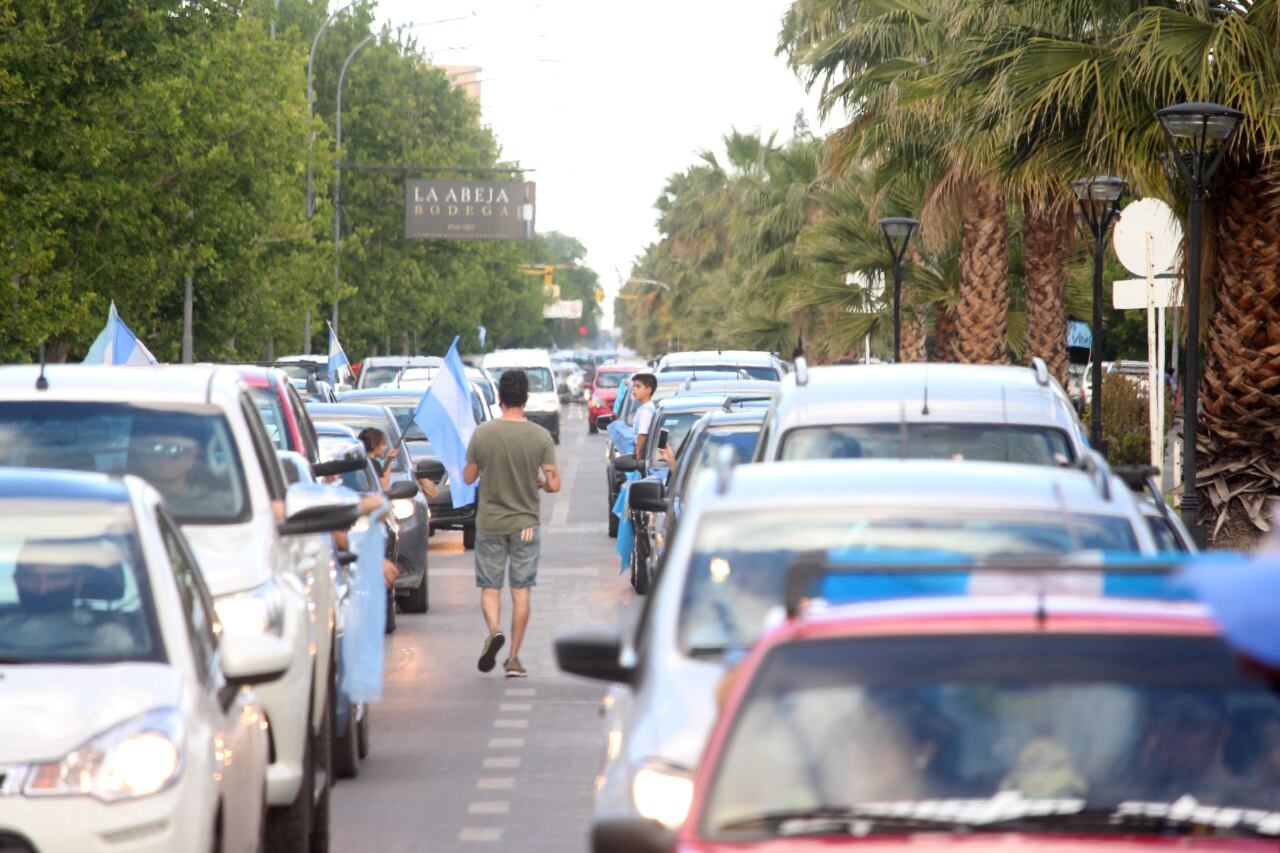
[
  {"x": 897, "y": 234},
  {"x": 1192, "y": 131},
  {"x": 1099, "y": 200}
]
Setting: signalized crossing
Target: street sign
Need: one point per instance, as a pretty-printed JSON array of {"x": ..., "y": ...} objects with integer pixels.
[
  {"x": 1137, "y": 220},
  {"x": 1131, "y": 293},
  {"x": 564, "y": 309},
  {"x": 469, "y": 210}
]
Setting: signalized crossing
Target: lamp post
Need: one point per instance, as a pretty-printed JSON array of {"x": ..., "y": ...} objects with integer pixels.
[
  {"x": 897, "y": 234},
  {"x": 1191, "y": 130},
  {"x": 1099, "y": 201},
  {"x": 337, "y": 178}
]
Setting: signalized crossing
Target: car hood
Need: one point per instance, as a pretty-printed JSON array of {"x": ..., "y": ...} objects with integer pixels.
[
  {"x": 674, "y": 723},
  {"x": 232, "y": 557},
  {"x": 975, "y": 842},
  {"x": 51, "y": 710}
]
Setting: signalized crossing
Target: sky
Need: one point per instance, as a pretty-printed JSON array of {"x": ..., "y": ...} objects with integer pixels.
[{"x": 604, "y": 100}]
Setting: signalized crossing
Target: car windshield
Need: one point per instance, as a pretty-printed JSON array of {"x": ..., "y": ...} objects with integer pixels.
[
  {"x": 540, "y": 381},
  {"x": 403, "y": 411},
  {"x": 741, "y": 558},
  {"x": 73, "y": 589},
  {"x": 268, "y": 404},
  {"x": 482, "y": 383},
  {"x": 972, "y": 442},
  {"x": 609, "y": 380},
  {"x": 1162, "y": 533},
  {"x": 377, "y": 377},
  {"x": 358, "y": 422},
  {"x": 187, "y": 454},
  {"x": 299, "y": 371},
  {"x": 741, "y": 438},
  {"x": 756, "y": 371},
  {"x": 904, "y": 728}
]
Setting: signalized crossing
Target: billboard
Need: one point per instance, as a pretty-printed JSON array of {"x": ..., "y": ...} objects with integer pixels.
[
  {"x": 469, "y": 210},
  {"x": 563, "y": 309}
]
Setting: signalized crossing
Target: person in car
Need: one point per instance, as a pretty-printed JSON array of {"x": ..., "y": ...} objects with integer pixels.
[
  {"x": 48, "y": 618},
  {"x": 375, "y": 444},
  {"x": 169, "y": 455},
  {"x": 1181, "y": 750}
]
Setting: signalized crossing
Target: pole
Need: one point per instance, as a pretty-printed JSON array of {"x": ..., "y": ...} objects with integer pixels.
[
  {"x": 1095, "y": 381},
  {"x": 311, "y": 98},
  {"x": 897, "y": 310},
  {"x": 273, "y": 30},
  {"x": 1191, "y": 388},
  {"x": 337, "y": 180},
  {"x": 188, "y": 295},
  {"x": 306, "y": 334}
]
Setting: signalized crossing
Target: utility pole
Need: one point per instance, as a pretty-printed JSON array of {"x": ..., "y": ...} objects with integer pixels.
[{"x": 188, "y": 297}]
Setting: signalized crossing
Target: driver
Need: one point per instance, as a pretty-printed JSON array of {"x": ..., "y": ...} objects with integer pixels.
[
  {"x": 47, "y": 617},
  {"x": 167, "y": 455}
]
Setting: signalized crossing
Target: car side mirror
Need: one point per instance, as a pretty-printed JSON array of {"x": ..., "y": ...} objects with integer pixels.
[
  {"x": 630, "y": 835},
  {"x": 594, "y": 653},
  {"x": 429, "y": 469},
  {"x": 603, "y": 421},
  {"x": 402, "y": 490},
  {"x": 625, "y": 463},
  {"x": 647, "y": 496},
  {"x": 253, "y": 659},
  {"x": 338, "y": 466},
  {"x": 316, "y": 508}
]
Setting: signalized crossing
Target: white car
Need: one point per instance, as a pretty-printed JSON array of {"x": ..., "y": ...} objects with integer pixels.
[
  {"x": 544, "y": 403},
  {"x": 419, "y": 377},
  {"x": 129, "y": 723},
  {"x": 196, "y": 435}
]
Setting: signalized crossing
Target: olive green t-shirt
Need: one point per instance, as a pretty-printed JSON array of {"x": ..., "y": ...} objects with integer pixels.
[{"x": 509, "y": 454}]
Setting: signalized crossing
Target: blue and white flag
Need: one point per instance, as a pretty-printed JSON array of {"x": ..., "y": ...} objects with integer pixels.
[
  {"x": 445, "y": 415},
  {"x": 338, "y": 364},
  {"x": 364, "y": 640},
  {"x": 482, "y": 333},
  {"x": 116, "y": 344}
]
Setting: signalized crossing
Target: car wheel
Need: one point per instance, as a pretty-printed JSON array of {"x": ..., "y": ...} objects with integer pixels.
[
  {"x": 346, "y": 749},
  {"x": 289, "y": 827},
  {"x": 641, "y": 575},
  {"x": 416, "y": 601},
  {"x": 613, "y": 525},
  {"x": 362, "y": 733},
  {"x": 391, "y": 611},
  {"x": 592, "y": 429},
  {"x": 469, "y": 537},
  {"x": 324, "y": 778}
]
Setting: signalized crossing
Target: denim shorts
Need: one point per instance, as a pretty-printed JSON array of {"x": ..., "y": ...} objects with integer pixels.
[{"x": 494, "y": 553}]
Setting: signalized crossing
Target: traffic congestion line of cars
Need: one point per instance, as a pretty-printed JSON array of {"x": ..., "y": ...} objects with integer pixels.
[{"x": 748, "y": 709}]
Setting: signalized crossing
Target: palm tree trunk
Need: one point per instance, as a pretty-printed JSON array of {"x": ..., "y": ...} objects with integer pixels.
[
  {"x": 982, "y": 314},
  {"x": 913, "y": 351},
  {"x": 1239, "y": 432},
  {"x": 944, "y": 333},
  {"x": 1044, "y": 222}
]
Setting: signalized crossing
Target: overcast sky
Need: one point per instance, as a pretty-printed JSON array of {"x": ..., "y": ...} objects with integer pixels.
[{"x": 604, "y": 100}]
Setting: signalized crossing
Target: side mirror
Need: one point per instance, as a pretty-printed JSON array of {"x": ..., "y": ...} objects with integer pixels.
[
  {"x": 337, "y": 466},
  {"x": 647, "y": 496},
  {"x": 429, "y": 469},
  {"x": 402, "y": 490},
  {"x": 594, "y": 653},
  {"x": 630, "y": 835},
  {"x": 626, "y": 462},
  {"x": 253, "y": 659},
  {"x": 314, "y": 508}
]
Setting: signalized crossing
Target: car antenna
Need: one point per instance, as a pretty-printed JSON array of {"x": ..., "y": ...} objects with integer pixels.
[
  {"x": 1004, "y": 414},
  {"x": 724, "y": 469},
  {"x": 902, "y": 430},
  {"x": 925, "y": 409},
  {"x": 42, "y": 384}
]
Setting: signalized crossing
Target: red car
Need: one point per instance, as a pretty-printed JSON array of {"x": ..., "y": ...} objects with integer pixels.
[
  {"x": 603, "y": 391},
  {"x": 980, "y": 723}
]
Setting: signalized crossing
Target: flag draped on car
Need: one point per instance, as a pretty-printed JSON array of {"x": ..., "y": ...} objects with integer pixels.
[
  {"x": 116, "y": 344},
  {"x": 445, "y": 415},
  {"x": 338, "y": 363},
  {"x": 363, "y": 640}
]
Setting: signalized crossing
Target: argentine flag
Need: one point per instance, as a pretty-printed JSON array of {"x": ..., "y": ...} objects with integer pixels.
[
  {"x": 117, "y": 345},
  {"x": 338, "y": 364},
  {"x": 446, "y": 417}
]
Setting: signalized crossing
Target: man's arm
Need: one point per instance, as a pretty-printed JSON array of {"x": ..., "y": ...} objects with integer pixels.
[
  {"x": 551, "y": 478},
  {"x": 641, "y": 438},
  {"x": 471, "y": 473}
]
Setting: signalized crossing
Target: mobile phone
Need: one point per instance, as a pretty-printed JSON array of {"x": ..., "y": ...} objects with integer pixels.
[{"x": 663, "y": 435}]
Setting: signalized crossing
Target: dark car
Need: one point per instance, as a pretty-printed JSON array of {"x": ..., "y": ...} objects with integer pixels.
[{"x": 413, "y": 516}]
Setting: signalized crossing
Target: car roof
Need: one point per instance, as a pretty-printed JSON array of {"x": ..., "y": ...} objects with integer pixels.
[
  {"x": 912, "y": 482},
  {"x": 744, "y": 357},
  {"x": 359, "y": 394},
  {"x": 734, "y": 418},
  {"x": 516, "y": 357},
  {"x": 330, "y": 428},
  {"x": 314, "y": 358},
  {"x": 675, "y": 377},
  {"x": 403, "y": 361},
  {"x": 691, "y": 403},
  {"x": 171, "y": 384},
  {"x": 36, "y": 484},
  {"x": 922, "y": 393},
  {"x": 353, "y": 409}
]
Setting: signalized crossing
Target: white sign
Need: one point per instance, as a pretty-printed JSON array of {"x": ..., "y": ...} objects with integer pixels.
[
  {"x": 1131, "y": 294},
  {"x": 565, "y": 309},
  {"x": 1154, "y": 217}
]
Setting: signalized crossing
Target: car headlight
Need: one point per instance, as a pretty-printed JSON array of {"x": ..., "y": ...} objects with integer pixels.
[
  {"x": 137, "y": 758},
  {"x": 596, "y": 403},
  {"x": 403, "y": 508},
  {"x": 548, "y": 407},
  {"x": 662, "y": 793},
  {"x": 257, "y": 611}
]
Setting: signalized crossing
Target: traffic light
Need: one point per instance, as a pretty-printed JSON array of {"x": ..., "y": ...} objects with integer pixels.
[
  {"x": 582, "y": 331},
  {"x": 548, "y": 275},
  {"x": 599, "y": 295}
]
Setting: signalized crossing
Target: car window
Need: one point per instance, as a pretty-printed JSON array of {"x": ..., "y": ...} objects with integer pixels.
[
  {"x": 376, "y": 377},
  {"x": 677, "y": 425},
  {"x": 707, "y": 453},
  {"x": 197, "y": 606},
  {"x": 265, "y": 452},
  {"x": 187, "y": 453},
  {"x": 272, "y": 414},
  {"x": 1163, "y": 533},
  {"x": 356, "y": 423},
  {"x": 1083, "y": 720},
  {"x": 299, "y": 371},
  {"x": 609, "y": 380},
  {"x": 970, "y": 442},
  {"x": 540, "y": 380},
  {"x": 305, "y": 427},
  {"x": 73, "y": 587}
]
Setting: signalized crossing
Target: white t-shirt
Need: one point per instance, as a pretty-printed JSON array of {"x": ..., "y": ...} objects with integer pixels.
[{"x": 644, "y": 418}]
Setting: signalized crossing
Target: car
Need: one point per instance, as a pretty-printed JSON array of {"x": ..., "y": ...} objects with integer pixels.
[
  {"x": 570, "y": 380},
  {"x": 403, "y": 403},
  {"x": 602, "y": 391},
  {"x": 377, "y": 371},
  {"x": 413, "y": 515},
  {"x": 543, "y": 407},
  {"x": 743, "y": 525},
  {"x": 1167, "y": 529},
  {"x": 756, "y": 365},
  {"x": 315, "y": 366},
  {"x": 314, "y": 390},
  {"x": 940, "y": 411},
  {"x": 420, "y": 378},
  {"x": 195, "y": 434},
  {"x": 129, "y": 712},
  {"x": 1058, "y": 721}
]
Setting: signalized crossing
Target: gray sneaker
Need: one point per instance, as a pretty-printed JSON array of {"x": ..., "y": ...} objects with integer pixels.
[
  {"x": 515, "y": 669},
  {"x": 489, "y": 654}
]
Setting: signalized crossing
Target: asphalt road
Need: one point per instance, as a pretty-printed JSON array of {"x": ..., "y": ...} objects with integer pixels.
[{"x": 465, "y": 761}]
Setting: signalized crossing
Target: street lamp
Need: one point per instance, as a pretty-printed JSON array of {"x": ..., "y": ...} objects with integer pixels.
[
  {"x": 1099, "y": 201},
  {"x": 1191, "y": 129},
  {"x": 337, "y": 178},
  {"x": 897, "y": 234}
]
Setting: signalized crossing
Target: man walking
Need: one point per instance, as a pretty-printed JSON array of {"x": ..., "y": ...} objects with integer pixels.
[
  {"x": 643, "y": 385},
  {"x": 516, "y": 458}
]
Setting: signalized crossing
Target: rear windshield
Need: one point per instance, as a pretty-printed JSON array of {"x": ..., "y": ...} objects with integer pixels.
[
  {"x": 188, "y": 454},
  {"x": 609, "y": 380},
  {"x": 972, "y": 442},
  {"x": 540, "y": 381},
  {"x": 761, "y": 371},
  {"x": 376, "y": 377}
]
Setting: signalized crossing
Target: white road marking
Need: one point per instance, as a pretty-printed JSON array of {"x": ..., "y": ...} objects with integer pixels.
[
  {"x": 506, "y": 742},
  {"x": 502, "y": 762},
  {"x": 481, "y": 835},
  {"x": 514, "y": 707},
  {"x": 520, "y": 691},
  {"x": 511, "y": 724},
  {"x": 489, "y": 807},
  {"x": 496, "y": 783}
]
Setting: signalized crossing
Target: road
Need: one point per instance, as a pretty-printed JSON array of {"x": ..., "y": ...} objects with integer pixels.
[{"x": 464, "y": 761}]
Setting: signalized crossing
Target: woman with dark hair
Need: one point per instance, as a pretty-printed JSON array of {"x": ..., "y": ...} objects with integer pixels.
[{"x": 375, "y": 444}]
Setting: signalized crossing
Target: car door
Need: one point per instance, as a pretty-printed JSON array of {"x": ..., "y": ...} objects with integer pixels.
[{"x": 226, "y": 725}]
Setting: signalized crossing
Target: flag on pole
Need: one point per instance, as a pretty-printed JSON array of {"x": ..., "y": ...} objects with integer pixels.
[
  {"x": 482, "y": 333},
  {"x": 116, "y": 344},
  {"x": 338, "y": 363},
  {"x": 445, "y": 415}
]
